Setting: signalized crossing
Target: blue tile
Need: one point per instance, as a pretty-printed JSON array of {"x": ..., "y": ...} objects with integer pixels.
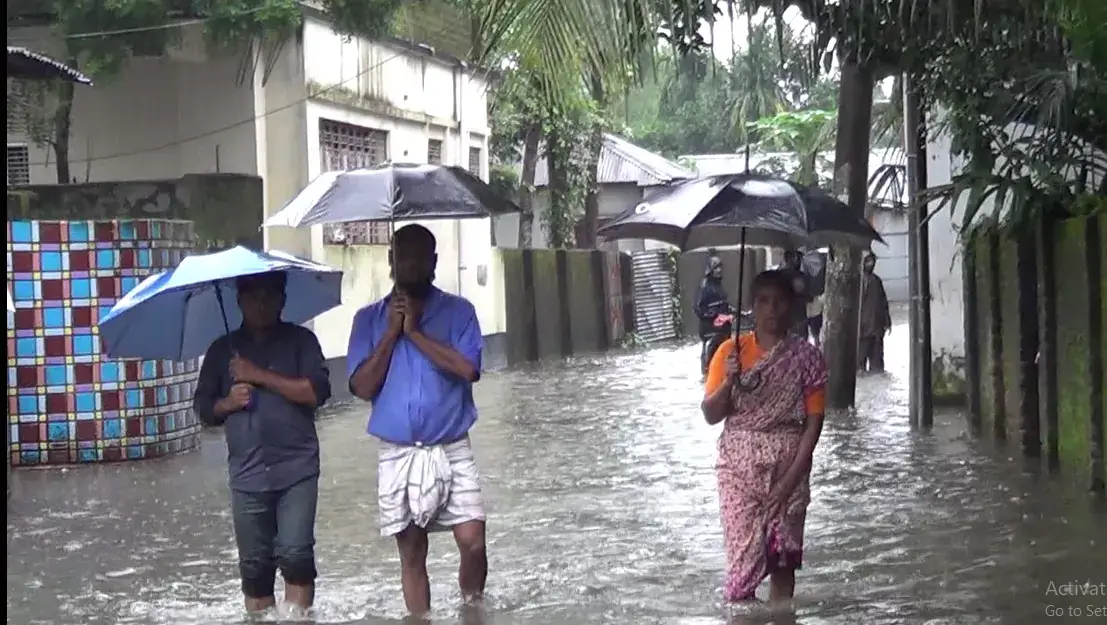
[
  {"x": 133, "y": 398},
  {"x": 113, "y": 428},
  {"x": 56, "y": 375},
  {"x": 127, "y": 230},
  {"x": 22, "y": 232},
  {"x": 104, "y": 310},
  {"x": 79, "y": 232},
  {"x": 28, "y": 404},
  {"x": 50, "y": 261},
  {"x": 86, "y": 455},
  {"x": 85, "y": 402},
  {"x": 134, "y": 452},
  {"x": 149, "y": 369},
  {"x": 105, "y": 259},
  {"x": 144, "y": 258},
  {"x": 57, "y": 431},
  {"x": 150, "y": 425},
  {"x": 80, "y": 288},
  {"x": 26, "y": 347},
  {"x": 163, "y": 395},
  {"x": 53, "y": 317},
  {"x": 128, "y": 283},
  {"x": 83, "y": 345},
  {"x": 109, "y": 372},
  {"x": 23, "y": 290},
  {"x": 29, "y": 457}
]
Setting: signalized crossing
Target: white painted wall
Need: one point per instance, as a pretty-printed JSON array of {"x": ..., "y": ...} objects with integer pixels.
[
  {"x": 947, "y": 303},
  {"x": 892, "y": 258},
  {"x": 160, "y": 118}
]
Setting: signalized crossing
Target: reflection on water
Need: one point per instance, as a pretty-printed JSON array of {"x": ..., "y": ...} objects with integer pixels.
[{"x": 600, "y": 486}]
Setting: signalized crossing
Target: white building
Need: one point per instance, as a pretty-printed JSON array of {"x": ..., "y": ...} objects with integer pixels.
[
  {"x": 625, "y": 173},
  {"x": 322, "y": 102}
]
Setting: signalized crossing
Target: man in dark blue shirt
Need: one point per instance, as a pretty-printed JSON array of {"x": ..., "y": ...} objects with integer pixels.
[{"x": 264, "y": 383}]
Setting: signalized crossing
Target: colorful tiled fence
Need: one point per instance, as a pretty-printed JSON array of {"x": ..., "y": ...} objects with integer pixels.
[{"x": 67, "y": 403}]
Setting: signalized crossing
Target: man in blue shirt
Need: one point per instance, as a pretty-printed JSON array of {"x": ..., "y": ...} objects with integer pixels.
[
  {"x": 415, "y": 355},
  {"x": 263, "y": 383}
]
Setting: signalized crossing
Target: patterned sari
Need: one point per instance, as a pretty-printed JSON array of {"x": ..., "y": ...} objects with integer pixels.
[{"x": 757, "y": 446}]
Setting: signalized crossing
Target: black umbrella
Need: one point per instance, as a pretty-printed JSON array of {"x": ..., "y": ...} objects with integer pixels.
[
  {"x": 744, "y": 209},
  {"x": 27, "y": 65},
  {"x": 392, "y": 192}
]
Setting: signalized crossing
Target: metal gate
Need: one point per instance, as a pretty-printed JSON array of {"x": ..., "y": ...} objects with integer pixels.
[{"x": 653, "y": 296}]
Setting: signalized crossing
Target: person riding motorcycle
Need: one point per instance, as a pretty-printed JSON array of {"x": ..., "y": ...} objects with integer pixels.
[{"x": 711, "y": 305}]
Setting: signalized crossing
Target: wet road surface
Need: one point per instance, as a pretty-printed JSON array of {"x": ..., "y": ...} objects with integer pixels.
[{"x": 601, "y": 494}]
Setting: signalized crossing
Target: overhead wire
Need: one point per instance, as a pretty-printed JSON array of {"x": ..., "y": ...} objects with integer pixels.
[{"x": 233, "y": 125}]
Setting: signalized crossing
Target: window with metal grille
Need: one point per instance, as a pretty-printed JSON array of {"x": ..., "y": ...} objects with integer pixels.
[
  {"x": 474, "y": 161},
  {"x": 344, "y": 147},
  {"x": 434, "y": 151},
  {"x": 19, "y": 164}
]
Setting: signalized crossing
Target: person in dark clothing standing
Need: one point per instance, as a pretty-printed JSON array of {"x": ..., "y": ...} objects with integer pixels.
[
  {"x": 876, "y": 319},
  {"x": 793, "y": 266},
  {"x": 264, "y": 383},
  {"x": 711, "y": 302}
]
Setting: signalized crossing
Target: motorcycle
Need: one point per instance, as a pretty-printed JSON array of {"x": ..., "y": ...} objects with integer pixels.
[{"x": 722, "y": 328}]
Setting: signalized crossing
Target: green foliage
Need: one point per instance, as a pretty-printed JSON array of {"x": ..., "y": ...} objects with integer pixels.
[{"x": 804, "y": 134}]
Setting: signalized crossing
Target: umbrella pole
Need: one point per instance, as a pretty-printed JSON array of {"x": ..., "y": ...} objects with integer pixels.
[
  {"x": 222, "y": 307},
  {"x": 741, "y": 282}
]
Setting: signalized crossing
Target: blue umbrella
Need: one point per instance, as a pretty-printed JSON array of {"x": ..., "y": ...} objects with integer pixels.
[{"x": 178, "y": 314}]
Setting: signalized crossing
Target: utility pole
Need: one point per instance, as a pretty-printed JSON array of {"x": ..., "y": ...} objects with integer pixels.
[{"x": 914, "y": 137}]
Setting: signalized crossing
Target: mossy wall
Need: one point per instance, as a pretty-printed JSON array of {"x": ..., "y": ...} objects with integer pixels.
[{"x": 1008, "y": 306}]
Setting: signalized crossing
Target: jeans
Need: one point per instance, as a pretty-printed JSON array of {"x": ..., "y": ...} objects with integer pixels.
[{"x": 275, "y": 530}]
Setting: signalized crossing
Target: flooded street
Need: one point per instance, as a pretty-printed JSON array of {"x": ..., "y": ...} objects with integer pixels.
[{"x": 599, "y": 478}]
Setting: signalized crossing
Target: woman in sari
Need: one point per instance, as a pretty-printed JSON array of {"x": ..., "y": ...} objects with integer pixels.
[{"x": 770, "y": 395}]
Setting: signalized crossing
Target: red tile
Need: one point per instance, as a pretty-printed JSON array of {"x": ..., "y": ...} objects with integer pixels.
[
  {"x": 53, "y": 290},
  {"x": 127, "y": 259},
  {"x": 23, "y": 261},
  {"x": 134, "y": 427},
  {"x": 56, "y": 346},
  {"x": 27, "y": 376},
  {"x": 83, "y": 373},
  {"x": 49, "y": 232},
  {"x": 104, "y": 231},
  {"x": 113, "y": 454},
  {"x": 80, "y": 260},
  {"x": 82, "y": 317},
  {"x": 86, "y": 431},
  {"x": 29, "y": 433},
  {"x": 109, "y": 400},
  {"x": 142, "y": 230},
  {"x": 58, "y": 456},
  {"x": 24, "y": 318},
  {"x": 57, "y": 403},
  {"x": 130, "y": 370},
  {"x": 149, "y": 397},
  {"x": 107, "y": 288}
]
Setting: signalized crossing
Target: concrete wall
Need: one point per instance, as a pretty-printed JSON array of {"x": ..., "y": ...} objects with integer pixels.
[
  {"x": 1036, "y": 308},
  {"x": 892, "y": 258},
  {"x": 67, "y": 403},
  {"x": 565, "y": 302}
]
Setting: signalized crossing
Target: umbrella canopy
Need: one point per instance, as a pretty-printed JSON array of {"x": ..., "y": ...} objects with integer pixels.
[
  {"x": 717, "y": 211},
  {"x": 27, "y": 65},
  {"x": 393, "y": 192},
  {"x": 178, "y": 314}
]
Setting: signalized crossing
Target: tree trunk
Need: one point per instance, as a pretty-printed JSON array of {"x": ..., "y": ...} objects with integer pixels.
[
  {"x": 531, "y": 139},
  {"x": 843, "y": 279},
  {"x": 62, "y": 123},
  {"x": 586, "y": 233}
]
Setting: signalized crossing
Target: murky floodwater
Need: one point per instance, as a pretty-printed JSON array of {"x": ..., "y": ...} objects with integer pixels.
[{"x": 601, "y": 493}]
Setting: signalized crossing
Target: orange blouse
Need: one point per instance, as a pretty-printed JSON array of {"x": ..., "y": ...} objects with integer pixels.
[{"x": 750, "y": 352}]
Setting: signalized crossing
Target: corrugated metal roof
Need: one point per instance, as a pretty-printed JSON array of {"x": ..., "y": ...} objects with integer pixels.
[
  {"x": 622, "y": 162},
  {"x": 28, "y": 65}
]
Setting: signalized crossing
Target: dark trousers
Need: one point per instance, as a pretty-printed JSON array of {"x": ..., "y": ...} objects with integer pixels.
[
  {"x": 275, "y": 530},
  {"x": 870, "y": 353}
]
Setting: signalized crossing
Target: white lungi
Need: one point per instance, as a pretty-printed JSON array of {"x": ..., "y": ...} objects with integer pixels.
[{"x": 435, "y": 487}]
